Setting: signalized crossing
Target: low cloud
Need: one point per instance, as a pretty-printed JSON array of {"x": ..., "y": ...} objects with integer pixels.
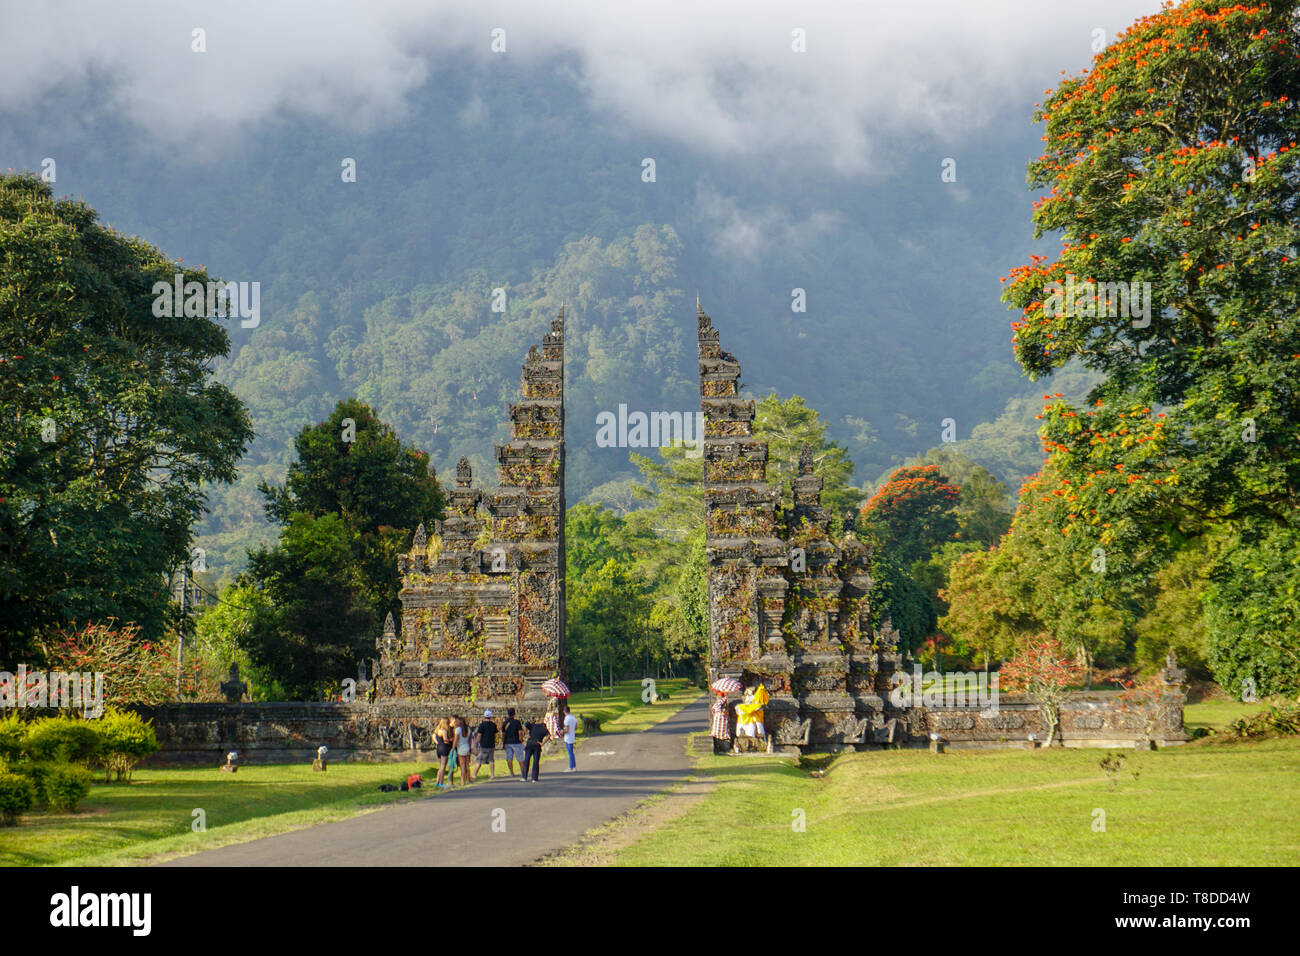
[{"x": 719, "y": 76}]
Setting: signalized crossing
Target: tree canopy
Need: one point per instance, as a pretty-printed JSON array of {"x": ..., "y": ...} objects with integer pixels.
[{"x": 113, "y": 421}]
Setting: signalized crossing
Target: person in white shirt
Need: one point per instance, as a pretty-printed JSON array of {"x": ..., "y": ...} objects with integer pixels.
[{"x": 570, "y": 737}]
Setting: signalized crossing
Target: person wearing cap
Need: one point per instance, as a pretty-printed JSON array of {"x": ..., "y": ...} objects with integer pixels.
[{"x": 486, "y": 734}]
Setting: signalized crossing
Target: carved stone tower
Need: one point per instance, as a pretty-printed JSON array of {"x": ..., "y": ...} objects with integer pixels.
[
  {"x": 789, "y": 601},
  {"x": 482, "y": 621}
]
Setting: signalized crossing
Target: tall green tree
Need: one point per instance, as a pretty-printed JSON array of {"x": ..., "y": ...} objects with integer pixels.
[
  {"x": 315, "y": 622},
  {"x": 789, "y": 424},
  {"x": 354, "y": 465},
  {"x": 982, "y": 508},
  {"x": 912, "y": 513},
  {"x": 351, "y": 500},
  {"x": 1171, "y": 175},
  {"x": 112, "y": 420},
  {"x": 1171, "y": 179}
]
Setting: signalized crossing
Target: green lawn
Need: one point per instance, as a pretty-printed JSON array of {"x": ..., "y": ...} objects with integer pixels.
[
  {"x": 623, "y": 712},
  {"x": 1221, "y": 804},
  {"x": 152, "y": 817},
  {"x": 1217, "y": 713},
  {"x": 1207, "y": 803}
]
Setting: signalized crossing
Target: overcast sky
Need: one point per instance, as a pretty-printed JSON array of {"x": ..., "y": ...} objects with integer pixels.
[{"x": 720, "y": 75}]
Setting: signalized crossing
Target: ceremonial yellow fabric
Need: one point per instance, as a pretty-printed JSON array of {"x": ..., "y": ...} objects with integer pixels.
[{"x": 752, "y": 712}]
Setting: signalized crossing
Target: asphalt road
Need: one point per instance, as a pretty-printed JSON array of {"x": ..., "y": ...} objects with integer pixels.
[{"x": 615, "y": 772}]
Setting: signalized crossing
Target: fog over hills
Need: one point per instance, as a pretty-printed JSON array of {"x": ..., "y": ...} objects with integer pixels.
[{"x": 774, "y": 171}]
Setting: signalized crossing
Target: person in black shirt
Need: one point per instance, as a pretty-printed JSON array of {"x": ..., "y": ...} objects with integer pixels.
[
  {"x": 511, "y": 739},
  {"x": 533, "y": 748},
  {"x": 486, "y": 733}
]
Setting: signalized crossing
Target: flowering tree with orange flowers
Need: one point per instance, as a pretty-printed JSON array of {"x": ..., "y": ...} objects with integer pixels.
[
  {"x": 1172, "y": 175},
  {"x": 1042, "y": 671},
  {"x": 912, "y": 514}
]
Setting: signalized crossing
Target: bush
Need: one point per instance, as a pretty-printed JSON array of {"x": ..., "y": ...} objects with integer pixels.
[
  {"x": 34, "y": 772},
  {"x": 17, "y": 795},
  {"x": 126, "y": 738},
  {"x": 63, "y": 738},
  {"x": 13, "y": 736},
  {"x": 64, "y": 785},
  {"x": 1276, "y": 721}
]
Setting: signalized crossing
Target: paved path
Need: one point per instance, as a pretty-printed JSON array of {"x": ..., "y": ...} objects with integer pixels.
[{"x": 455, "y": 829}]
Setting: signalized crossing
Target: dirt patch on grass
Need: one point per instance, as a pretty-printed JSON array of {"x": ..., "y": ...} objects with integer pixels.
[{"x": 601, "y": 846}]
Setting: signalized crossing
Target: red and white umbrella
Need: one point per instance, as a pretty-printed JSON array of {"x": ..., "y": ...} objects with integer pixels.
[
  {"x": 727, "y": 685},
  {"x": 555, "y": 688}
]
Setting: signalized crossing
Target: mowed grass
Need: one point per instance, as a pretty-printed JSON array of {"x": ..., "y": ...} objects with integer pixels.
[
  {"x": 623, "y": 712},
  {"x": 151, "y": 818},
  {"x": 1204, "y": 804},
  {"x": 1217, "y": 713}
]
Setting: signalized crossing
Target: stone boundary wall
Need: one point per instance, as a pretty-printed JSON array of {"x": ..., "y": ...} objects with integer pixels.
[
  {"x": 1087, "y": 719},
  {"x": 389, "y": 732},
  {"x": 403, "y": 732}
]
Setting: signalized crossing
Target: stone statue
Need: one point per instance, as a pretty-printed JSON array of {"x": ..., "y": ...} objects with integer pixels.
[{"x": 234, "y": 689}]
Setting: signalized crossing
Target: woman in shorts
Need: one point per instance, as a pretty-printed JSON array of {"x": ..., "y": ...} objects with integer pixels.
[
  {"x": 462, "y": 748},
  {"x": 443, "y": 738}
]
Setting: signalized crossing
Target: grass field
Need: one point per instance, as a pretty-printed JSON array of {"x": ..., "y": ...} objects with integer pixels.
[
  {"x": 1216, "y": 713},
  {"x": 623, "y": 712},
  {"x": 152, "y": 817},
  {"x": 1208, "y": 803}
]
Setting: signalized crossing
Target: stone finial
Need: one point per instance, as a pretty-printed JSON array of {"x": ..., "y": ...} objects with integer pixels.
[
  {"x": 464, "y": 473},
  {"x": 805, "y": 460},
  {"x": 1173, "y": 674},
  {"x": 888, "y": 633},
  {"x": 390, "y": 627},
  {"x": 421, "y": 540}
]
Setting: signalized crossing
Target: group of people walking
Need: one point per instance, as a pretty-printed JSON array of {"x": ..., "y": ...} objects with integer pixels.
[{"x": 521, "y": 741}]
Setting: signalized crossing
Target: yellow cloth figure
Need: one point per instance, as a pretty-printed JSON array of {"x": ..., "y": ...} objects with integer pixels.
[{"x": 749, "y": 714}]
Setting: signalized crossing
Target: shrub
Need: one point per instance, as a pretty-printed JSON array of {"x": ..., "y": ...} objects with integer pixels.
[
  {"x": 1276, "y": 721},
  {"x": 34, "y": 772},
  {"x": 13, "y": 736},
  {"x": 126, "y": 738},
  {"x": 16, "y": 797},
  {"x": 63, "y": 738},
  {"x": 64, "y": 785}
]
